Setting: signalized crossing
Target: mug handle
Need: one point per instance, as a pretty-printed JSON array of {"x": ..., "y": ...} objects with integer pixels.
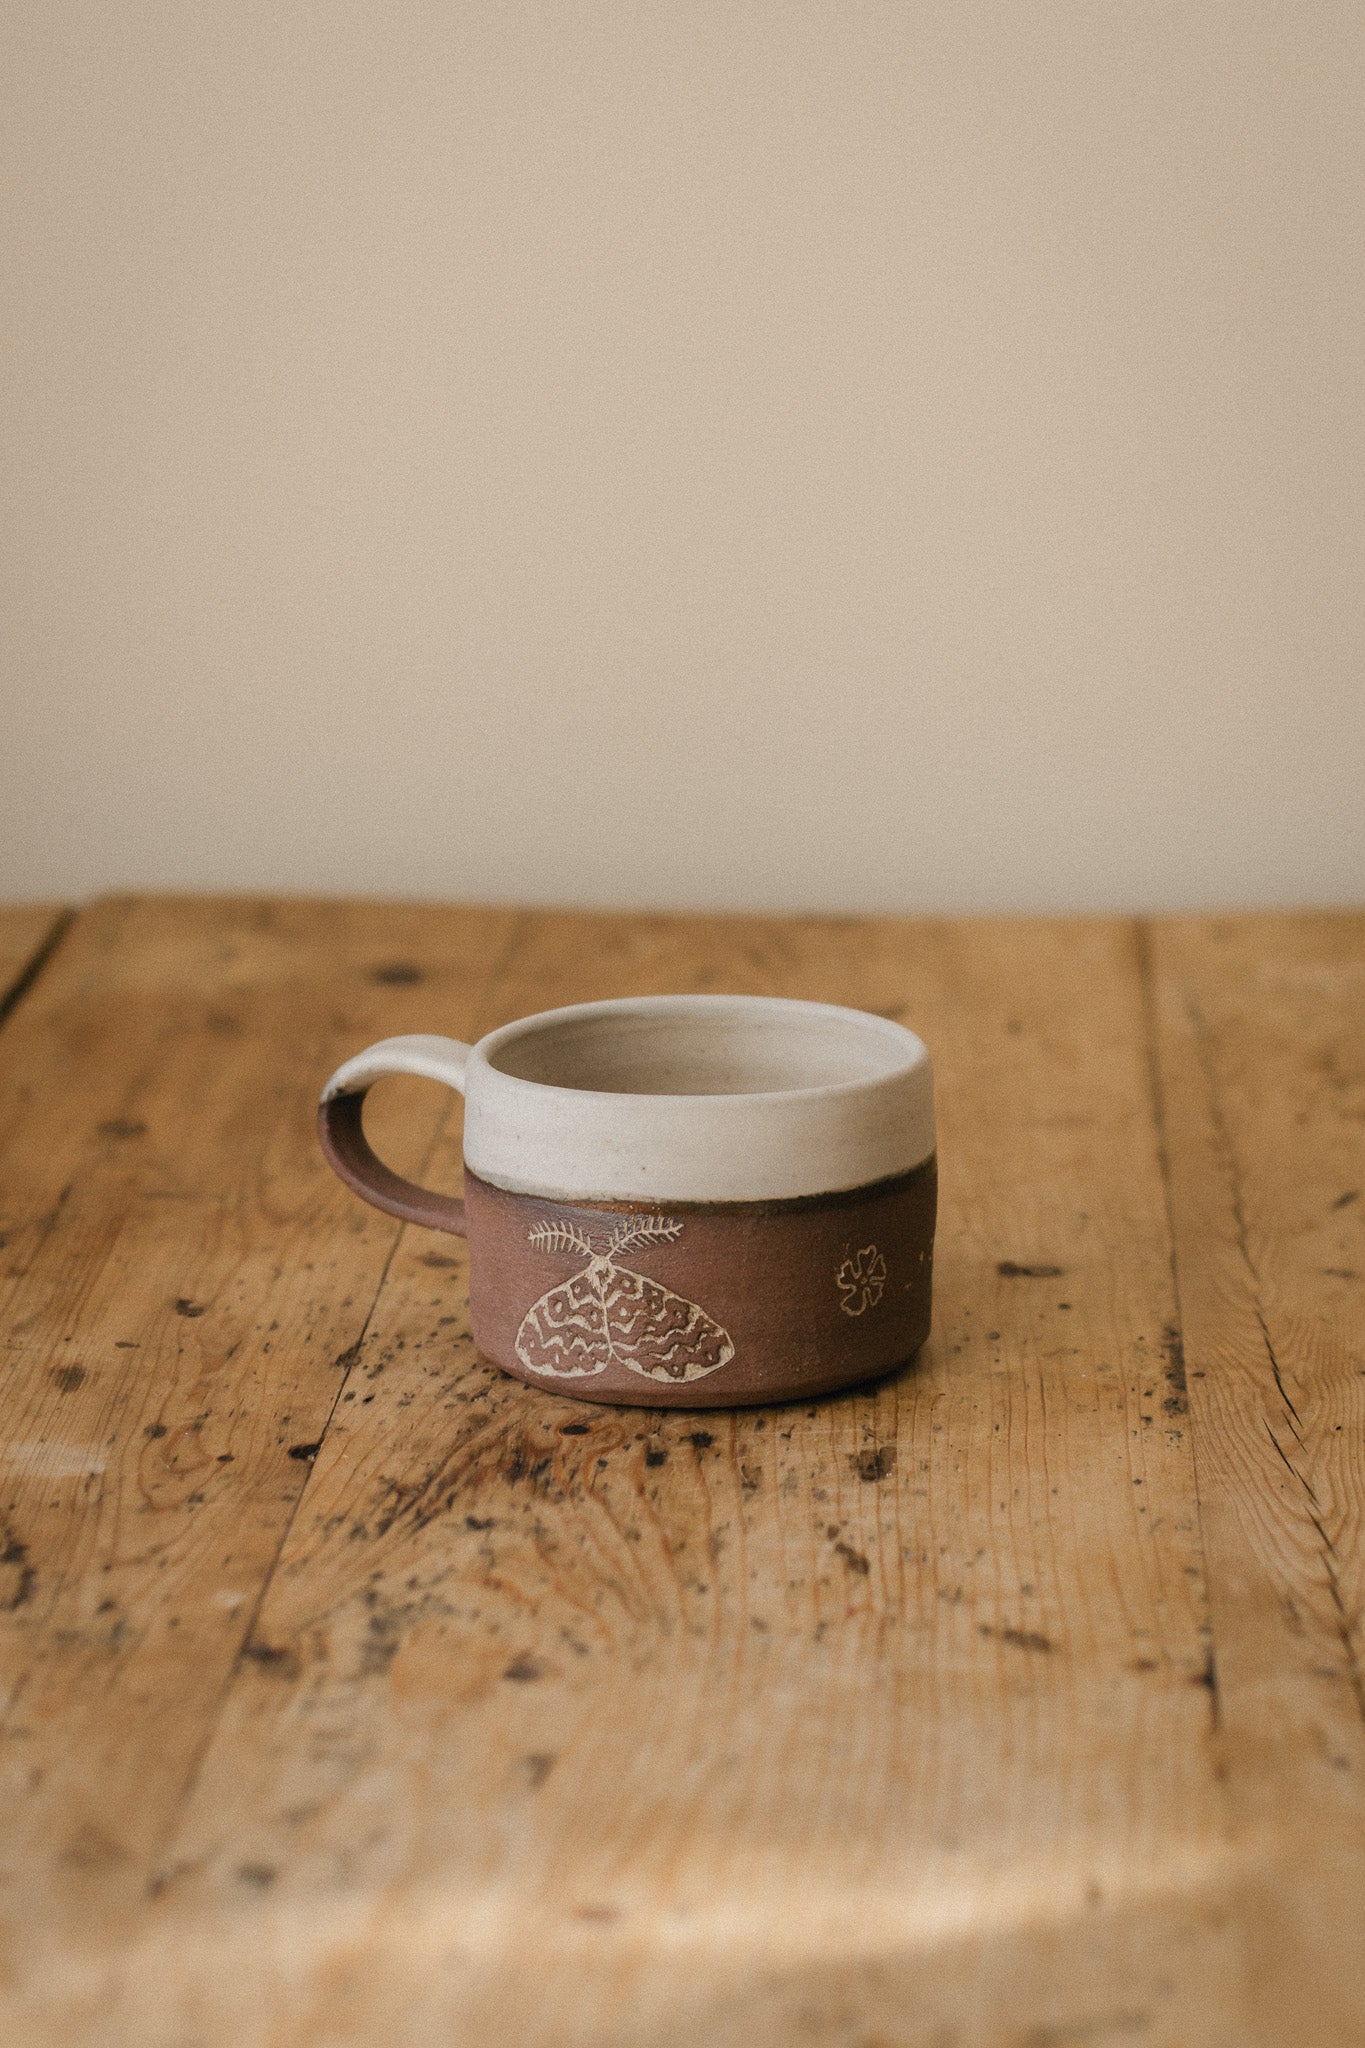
[{"x": 342, "y": 1135}]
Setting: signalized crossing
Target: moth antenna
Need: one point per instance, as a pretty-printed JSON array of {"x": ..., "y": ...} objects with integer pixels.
[
  {"x": 643, "y": 1230},
  {"x": 559, "y": 1237}
]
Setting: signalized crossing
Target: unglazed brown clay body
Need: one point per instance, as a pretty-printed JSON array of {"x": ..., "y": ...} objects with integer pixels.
[
  {"x": 703, "y": 1307},
  {"x": 674, "y": 1201}
]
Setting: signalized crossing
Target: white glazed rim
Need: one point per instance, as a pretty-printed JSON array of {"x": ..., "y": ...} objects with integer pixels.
[
  {"x": 866, "y": 1022},
  {"x": 569, "y": 1143}
]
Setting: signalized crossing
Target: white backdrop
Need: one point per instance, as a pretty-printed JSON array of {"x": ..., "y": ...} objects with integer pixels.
[{"x": 723, "y": 452}]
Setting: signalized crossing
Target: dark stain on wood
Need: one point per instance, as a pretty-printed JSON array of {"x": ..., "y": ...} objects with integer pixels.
[
  {"x": 854, "y": 1559},
  {"x": 272, "y": 1657},
  {"x": 383, "y": 1636},
  {"x": 1173, "y": 1348},
  {"x": 1207, "y": 1676},
  {"x": 17, "y": 1575},
  {"x": 524, "y": 1669},
  {"x": 90, "y": 1848},
  {"x": 1021, "y": 1638},
  {"x": 525, "y": 1461}
]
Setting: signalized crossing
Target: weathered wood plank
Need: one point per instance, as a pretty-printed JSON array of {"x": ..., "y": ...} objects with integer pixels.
[
  {"x": 180, "y": 1279},
  {"x": 881, "y": 1720},
  {"x": 26, "y": 929},
  {"x": 1261, "y": 1029}
]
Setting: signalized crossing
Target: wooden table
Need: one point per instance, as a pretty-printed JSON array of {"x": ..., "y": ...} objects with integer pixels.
[{"x": 356, "y": 1694}]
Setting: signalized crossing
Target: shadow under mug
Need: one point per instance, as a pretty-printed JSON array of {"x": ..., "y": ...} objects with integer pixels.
[{"x": 693, "y": 1201}]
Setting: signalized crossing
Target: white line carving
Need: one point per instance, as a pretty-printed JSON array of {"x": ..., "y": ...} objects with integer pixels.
[
  {"x": 609, "y": 1314},
  {"x": 860, "y": 1280}
]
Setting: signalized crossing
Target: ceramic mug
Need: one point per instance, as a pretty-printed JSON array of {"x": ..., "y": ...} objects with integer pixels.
[{"x": 695, "y": 1201}]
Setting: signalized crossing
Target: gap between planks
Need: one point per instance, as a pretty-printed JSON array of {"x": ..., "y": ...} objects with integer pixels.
[
  {"x": 29, "y": 937},
  {"x": 1142, "y": 938}
]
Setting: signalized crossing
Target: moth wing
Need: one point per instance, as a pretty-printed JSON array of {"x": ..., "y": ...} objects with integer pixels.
[
  {"x": 564, "y": 1334},
  {"x": 660, "y": 1334}
]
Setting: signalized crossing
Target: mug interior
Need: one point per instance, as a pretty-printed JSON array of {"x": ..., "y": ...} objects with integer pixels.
[{"x": 703, "y": 1045}]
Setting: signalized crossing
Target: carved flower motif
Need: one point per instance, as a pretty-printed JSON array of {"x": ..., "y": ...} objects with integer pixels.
[{"x": 860, "y": 1280}]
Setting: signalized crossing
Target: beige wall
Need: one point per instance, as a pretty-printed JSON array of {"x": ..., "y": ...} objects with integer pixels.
[{"x": 686, "y": 451}]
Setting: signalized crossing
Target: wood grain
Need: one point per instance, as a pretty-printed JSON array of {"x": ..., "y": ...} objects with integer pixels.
[
  {"x": 1012, "y": 1704},
  {"x": 26, "y": 931},
  {"x": 181, "y": 1276},
  {"x": 1261, "y": 1034},
  {"x": 883, "y": 1715}
]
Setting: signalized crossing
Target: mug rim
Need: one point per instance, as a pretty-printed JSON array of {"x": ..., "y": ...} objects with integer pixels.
[
  {"x": 868, "y": 1022},
  {"x": 571, "y": 1144}
]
